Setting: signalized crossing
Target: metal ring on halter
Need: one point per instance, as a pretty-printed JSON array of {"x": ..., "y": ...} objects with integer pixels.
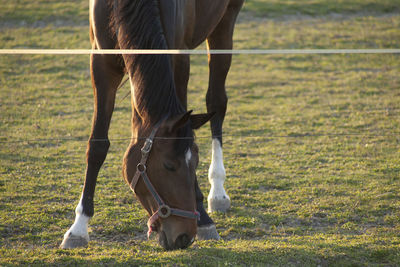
[
  {"x": 164, "y": 211},
  {"x": 141, "y": 167}
]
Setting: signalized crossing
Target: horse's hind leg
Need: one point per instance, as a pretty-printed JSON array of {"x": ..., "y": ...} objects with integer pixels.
[
  {"x": 220, "y": 38},
  {"x": 106, "y": 76}
]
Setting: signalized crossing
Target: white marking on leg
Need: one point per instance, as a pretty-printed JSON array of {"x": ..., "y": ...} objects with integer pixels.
[
  {"x": 216, "y": 174},
  {"x": 80, "y": 226},
  {"x": 188, "y": 156}
]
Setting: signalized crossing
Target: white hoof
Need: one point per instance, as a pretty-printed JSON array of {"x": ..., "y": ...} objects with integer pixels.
[
  {"x": 77, "y": 235},
  {"x": 220, "y": 204},
  {"x": 74, "y": 241},
  {"x": 207, "y": 232}
]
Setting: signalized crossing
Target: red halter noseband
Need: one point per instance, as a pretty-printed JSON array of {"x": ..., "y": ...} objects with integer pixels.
[{"x": 164, "y": 211}]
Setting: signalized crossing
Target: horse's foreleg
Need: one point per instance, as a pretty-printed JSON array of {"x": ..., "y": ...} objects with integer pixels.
[
  {"x": 220, "y": 38},
  {"x": 217, "y": 100},
  {"x": 106, "y": 77}
]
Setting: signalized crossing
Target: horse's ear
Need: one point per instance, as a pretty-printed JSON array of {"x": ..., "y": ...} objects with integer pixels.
[
  {"x": 199, "y": 120},
  {"x": 179, "y": 121}
]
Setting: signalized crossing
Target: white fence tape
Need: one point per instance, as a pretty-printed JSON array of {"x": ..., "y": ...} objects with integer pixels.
[{"x": 195, "y": 52}]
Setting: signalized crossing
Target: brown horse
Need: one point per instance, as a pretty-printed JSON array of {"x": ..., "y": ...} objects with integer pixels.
[{"x": 160, "y": 169}]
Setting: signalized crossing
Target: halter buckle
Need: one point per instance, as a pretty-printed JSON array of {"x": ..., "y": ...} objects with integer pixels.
[
  {"x": 147, "y": 146},
  {"x": 164, "y": 211}
]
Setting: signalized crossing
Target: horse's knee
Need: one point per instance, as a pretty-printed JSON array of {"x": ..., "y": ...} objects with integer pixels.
[
  {"x": 97, "y": 151},
  {"x": 216, "y": 100}
]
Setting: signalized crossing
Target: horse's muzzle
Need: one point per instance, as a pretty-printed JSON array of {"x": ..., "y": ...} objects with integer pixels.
[{"x": 182, "y": 241}]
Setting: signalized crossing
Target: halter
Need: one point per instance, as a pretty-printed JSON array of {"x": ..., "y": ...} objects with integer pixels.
[{"x": 164, "y": 211}]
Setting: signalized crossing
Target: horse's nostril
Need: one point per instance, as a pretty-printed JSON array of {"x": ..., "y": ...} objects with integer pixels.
[{"x": 182, "y": 241}]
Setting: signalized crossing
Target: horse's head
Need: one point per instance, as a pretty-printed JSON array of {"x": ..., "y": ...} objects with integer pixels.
[{"x": 163, "y": 170}]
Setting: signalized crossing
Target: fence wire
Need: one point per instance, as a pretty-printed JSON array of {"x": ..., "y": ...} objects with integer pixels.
[{"x": 6, "y": 140}]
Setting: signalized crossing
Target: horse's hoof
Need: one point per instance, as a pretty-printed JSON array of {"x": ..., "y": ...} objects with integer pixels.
[
  {"x": 73, "y": 241},
  {"x": 207, "y": 232},
  {"x": 219, "y": 204}
]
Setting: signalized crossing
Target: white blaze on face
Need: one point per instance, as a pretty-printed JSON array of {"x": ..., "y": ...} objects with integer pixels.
[{"x": 80, "y": 226}]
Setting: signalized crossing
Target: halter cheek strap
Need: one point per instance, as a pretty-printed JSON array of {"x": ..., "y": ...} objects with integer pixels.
[{"x": 163, "y": 211}]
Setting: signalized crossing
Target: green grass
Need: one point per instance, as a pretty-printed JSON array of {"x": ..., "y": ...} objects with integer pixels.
[
  {"x": 26, "y": 12},
  {"x": 311, "y": 145},
  {"x": 275, "y": 8}
]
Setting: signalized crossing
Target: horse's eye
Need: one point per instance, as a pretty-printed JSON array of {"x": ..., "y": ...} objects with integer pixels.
[{"x": 169, "y": 167}]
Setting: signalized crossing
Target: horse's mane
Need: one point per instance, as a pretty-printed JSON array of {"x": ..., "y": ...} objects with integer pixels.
[{"x": 137, "y": 24}]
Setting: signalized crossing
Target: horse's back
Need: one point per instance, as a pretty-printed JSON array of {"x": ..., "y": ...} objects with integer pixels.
[{"x": 187, "y": 23}]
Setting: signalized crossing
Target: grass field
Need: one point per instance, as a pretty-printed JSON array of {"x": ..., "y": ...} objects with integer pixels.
[{"x": 311, "y": 149}]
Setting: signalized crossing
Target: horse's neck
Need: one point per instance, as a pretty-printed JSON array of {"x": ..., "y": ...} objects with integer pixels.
[{"x": 139, "y": 27}]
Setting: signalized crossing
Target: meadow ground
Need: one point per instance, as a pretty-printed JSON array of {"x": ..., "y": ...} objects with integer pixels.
[{"x": 311, "y": 148}]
